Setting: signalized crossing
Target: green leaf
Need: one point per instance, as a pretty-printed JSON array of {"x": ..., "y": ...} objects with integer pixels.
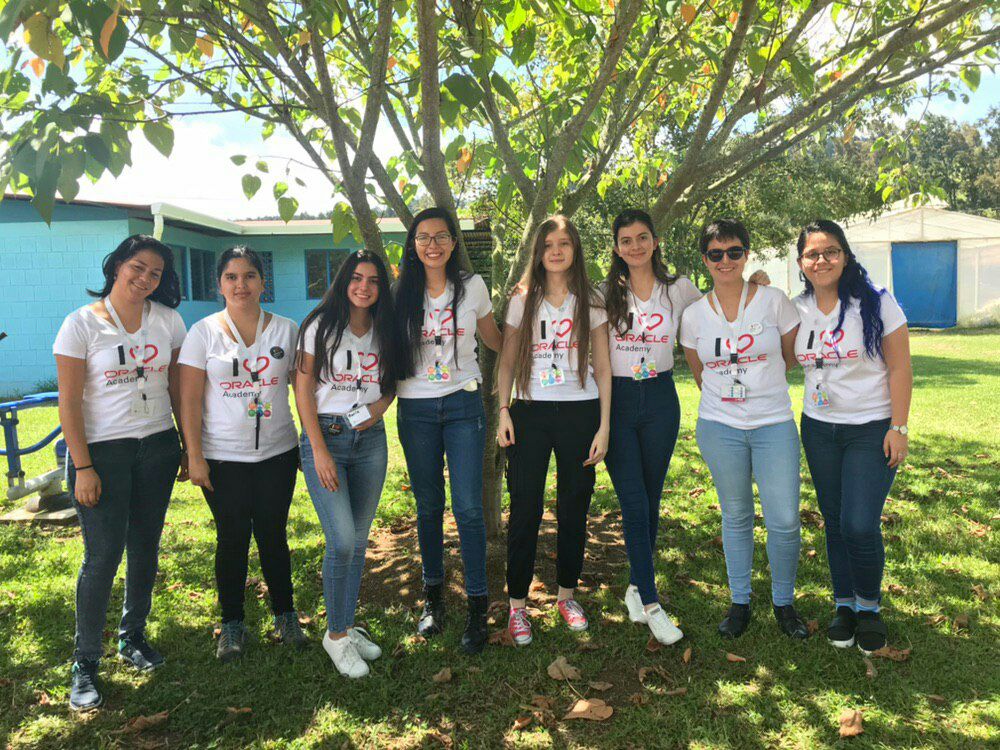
[
  {"x": 239, "y": 160},
  {"x": 280, "y": 188},
  {"x": 44, "y": 189},
  {"x": 287, "y": 206},
  {"x": 10, "y": 16},
  {"x": 970, "y": 74},
  {"x": 97, "y": 149},
  {"x": 343, "y": 222},
  {"x": 160, "y": 135},
  {"x": 251, "y": 184},
  {"x": 503, "y": 88},
  {"x": 588, "y": 6},
  {"x": 464, "y": 88},
  {"x": 262, "y": 166},
  {"x": 515, "y": 18}
]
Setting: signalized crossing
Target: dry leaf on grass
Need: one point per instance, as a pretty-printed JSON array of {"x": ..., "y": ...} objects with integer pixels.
[
  {"x": 936, "y": 619},
  {"x": 687, "y": 655},
  {"x": 639, "y": 699},
  {"x": 892, "y": 653},
  {"x": 521, "y": 723},
  {"x": 813, "y": 626},
  {"x": 232, "y": 714},
  {"x": 653, "y": 645},
  {"x": 399, "y": 651},
  {"x": 961, "y": 622},
  {"x": 600, "y": 686},
  {"x": 542, "y": 702},
  {"x": 500, "y": 637},
  {"x": 444, "y": 740},
  {"x": 895, "y": 588},
  {"x": 937, "y": 700},
  {"x": 733, "y": 657},
  {"x": 587, "y": 646},
  {"x": 142, "y": 723},
  {"x": 980, "y": 591},
  {"x": 850, "y": 723},
  {"x": 677, "y": 691},
  {"x": 443, "y": 676},
  {"x": 593, "y": 709},
  {"x": 560, "y": 669},
  {"x": 870, "y": 672},
  {"x": 697, "y": 492}
]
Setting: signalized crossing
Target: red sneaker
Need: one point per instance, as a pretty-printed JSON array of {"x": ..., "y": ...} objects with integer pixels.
[
  {"x": 519, "y": 626},
  {"x": 573, "y": 614}
]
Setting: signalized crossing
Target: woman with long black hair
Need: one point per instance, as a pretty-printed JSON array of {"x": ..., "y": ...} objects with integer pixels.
[
  {"x": 439, "y": 310},
  {"x": 345, "y": 381},
  {"x": 644, "y": 302},
  {"x": 235, "y": 370},
  {"x": 118, "y": 401},
  {"x": 854, "y": 345}
]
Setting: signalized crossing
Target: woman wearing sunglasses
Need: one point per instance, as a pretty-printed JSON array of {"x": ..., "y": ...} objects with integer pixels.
[
  {"x": 854, "y": 345},
  {"x": 739, "y": 342}
]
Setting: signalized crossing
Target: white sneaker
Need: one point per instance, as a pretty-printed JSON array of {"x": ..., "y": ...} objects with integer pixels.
[
  {"x": 636, "y": 612},
  {"x": 345, "y": 656},
  {"x": 363, "y": 643},
  {"x": 662, "y": 626}
]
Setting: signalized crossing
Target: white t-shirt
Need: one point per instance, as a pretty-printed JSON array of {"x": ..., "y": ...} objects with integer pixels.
[
  {"x": 110, "y": 386},
  {"x": 760, "y": 367},
  {"x": 856, "y": 385},
  {"x": 439, "y": 319},
  {"x": 553, "y": 341},
  {"x": 227, "y": 432},
  {"x": 351, "y": 383},
  {"x": 658, "y": 317}
]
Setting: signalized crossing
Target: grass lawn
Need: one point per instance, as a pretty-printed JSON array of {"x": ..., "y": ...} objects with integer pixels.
[{"x": 942, "y": 581}]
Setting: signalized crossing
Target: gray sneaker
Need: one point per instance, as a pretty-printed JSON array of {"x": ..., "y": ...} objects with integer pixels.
[
  {"x": 289, "y": 631},
  {"x": 232, "y": 640}
]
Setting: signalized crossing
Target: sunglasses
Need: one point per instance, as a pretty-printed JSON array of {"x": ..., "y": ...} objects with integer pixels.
[{"x": 735, "y": 253}]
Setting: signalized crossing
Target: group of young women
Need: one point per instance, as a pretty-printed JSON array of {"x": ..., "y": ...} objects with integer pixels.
[{"x": 583, "y": 373}]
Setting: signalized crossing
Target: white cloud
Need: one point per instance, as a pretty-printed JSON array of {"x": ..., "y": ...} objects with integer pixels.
[{"x": 200, "y": 176}]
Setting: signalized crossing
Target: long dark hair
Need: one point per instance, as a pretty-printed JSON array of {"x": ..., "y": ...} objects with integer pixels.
[
  {"x": 167, "y": 292},
  {"x": 616, "y": 289},
  {"x": 333, "y": 314},
  {"x": 854, "y": 284},
  {"x": 411, "y": 287},
  {"x": 533, "y": 286},
  {"x": 239, "y": 251}
]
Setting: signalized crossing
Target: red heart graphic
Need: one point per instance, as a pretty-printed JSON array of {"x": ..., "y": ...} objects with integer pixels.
[
  {"x": 371, "y": 365},
  {"x": 650, "y": 325},
  {"x": 567, "y": 326},
  {"x": 146, "y": 360},
  {"x": 446, "y": 316},
  {"x": 829, "y": 338},
  {"x": 246, "y": 364},
  {"x": 741, "y": 349}
]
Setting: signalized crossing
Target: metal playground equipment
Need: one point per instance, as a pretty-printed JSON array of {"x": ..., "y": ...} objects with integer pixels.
[{"x": 52, "y": 503}]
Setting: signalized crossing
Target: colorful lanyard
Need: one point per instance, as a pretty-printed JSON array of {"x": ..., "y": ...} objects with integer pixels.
[
  {"x": 249, "y": 355},
  {"x": 548, "y": 325},
  {"x": 435, "y": 329},
  {"x": 816, "y": 339},
  {"x": 138, "y": 347}
]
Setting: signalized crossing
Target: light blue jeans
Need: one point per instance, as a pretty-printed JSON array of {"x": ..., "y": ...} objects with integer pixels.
[
  {"x": 347, "y": 514},
  {"x": 770, "y": 455}
]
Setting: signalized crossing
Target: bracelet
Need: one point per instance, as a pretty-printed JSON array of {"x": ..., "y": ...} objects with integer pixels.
[
  {"x": 84, "y": 468},
  {"x": 504, "y": 407}
]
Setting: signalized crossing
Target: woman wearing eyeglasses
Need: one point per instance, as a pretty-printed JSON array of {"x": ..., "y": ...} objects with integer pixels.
[
  {"x": 439, "y": 310},
  {"x": 739, "y": 342},
  {"x": 854, "y": 345}
]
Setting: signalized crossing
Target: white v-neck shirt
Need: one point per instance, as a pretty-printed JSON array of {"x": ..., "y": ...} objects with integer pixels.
[
  {"x": 760, "y": 366},
  {"x": 349, "y": 384}
]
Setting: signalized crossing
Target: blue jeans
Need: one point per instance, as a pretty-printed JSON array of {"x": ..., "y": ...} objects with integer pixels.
[
  {"x": 852, "y": 480},
  {"x": 770, "y": 455},
  {"x": 429, "y": 430},
  {"x": 347, "y": 514},
  {"x": 645, "y": 418},
  {"x": 137, "y": 478}
]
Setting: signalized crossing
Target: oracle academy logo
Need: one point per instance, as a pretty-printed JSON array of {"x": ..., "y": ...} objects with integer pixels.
[
  {"x": 368, "y": 361},
  {"x": 743, "y": 344},
  {"x": 150, "y": 353},
  {"x": 444, "y": 317},
  {"x": 830, "y": 351},
  {"x": 561, "y": 329},
  {"x": 648, "y": 336},
  {"x": 246, "y": 382}
]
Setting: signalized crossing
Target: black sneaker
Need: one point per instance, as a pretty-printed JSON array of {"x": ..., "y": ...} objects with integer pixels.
[
  {"x": 432, "y": 618},
  {"x": 790, "y": 623},
  {"x": 287, "y": 627},
  {"x": 134, "y": 649},
  {"x": 870, "y": 632},
  {"x": 476, "y": 629},
  {"x": 840, "y": 631},
  {"x": 736, "y": 621},
  {"x": 85, "y": 690},
  {"x": 232, "y": 639}
]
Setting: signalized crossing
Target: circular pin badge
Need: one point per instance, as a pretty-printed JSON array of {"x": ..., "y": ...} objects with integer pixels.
[
  {"x": 277, "y": 352},
  {"x": 755, "y": 328}
]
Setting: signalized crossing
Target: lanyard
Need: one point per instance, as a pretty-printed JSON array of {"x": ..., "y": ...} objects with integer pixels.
[
  {"x": 434, "y": 326},
  {"x": 138, "y": 347},
  {"x": 636, "y": 314},
  {"x": 548, "y": 324},
  {"x": 249, "y": 354},
  {"x": 816, "y": 339},
  {"x": 736, "y": 326},
  {"x": 354, "y": 368}
]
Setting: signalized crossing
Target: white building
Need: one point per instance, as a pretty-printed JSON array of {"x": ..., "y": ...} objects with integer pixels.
[{"x": 943, "y": 266}]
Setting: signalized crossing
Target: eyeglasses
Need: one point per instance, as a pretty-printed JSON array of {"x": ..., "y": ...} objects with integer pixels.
[
  {"x": 443, "y": 239},
  {"x": 829, "y": 255},
  {"x": 735, "y": 253}
]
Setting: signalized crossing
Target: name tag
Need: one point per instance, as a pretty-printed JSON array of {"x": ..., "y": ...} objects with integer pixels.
[
  {"x": 439, "y": 373},
  {"x": 358, "y": 416},
  {"x": 645, "y": 370},
  {"x": 551, "y": 376},
  {"x": 149, "y": 408},
  {"x": 819, "y": 398},
  {"x": 260, "y": 409},
  {"x": 735, "y": 393}
]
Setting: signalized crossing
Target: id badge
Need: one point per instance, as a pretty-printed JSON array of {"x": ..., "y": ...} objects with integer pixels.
[
  {"x": 147, "y": 408},
  {"x": 819, "y": 397},
  {"x": 259, "y": 408},
  {"x": 439, "y": 373},
  {"x": 645, "y": 370},
  {"x": 551, "y": 376},
  {"x": 358, "y": 416},
  {"x": 735, "y": 393}
]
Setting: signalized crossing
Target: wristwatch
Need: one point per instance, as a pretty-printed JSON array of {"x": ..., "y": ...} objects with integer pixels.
[{"x": 901, "y": 428}]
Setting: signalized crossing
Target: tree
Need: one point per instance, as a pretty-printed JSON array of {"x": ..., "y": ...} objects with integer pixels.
[{"x": 541, "y": 95}]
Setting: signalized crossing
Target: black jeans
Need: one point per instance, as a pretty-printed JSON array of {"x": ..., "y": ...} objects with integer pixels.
[
  {"x": 137, "y": 477},
  {"x": 852, "y": 479},
  {"x": 252, "y": 498},
  {"x": 541, "y": 427}
]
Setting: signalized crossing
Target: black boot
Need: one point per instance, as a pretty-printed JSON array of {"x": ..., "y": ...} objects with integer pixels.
[
  {"x": 790, "y": 623},
  {"x": 476, "y": 630},
  {"x": 432, "y": 618},
  {"x": 736, "y": 621}
]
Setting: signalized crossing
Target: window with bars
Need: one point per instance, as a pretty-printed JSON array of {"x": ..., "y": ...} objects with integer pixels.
[{"x": 321, "y": 267}]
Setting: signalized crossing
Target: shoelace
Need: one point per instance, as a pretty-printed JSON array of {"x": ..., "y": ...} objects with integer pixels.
[
  {"x": 229, "y": 634},
  {"x": 520, "y": 618},
  {"x": 573, "y": 609},
  {"x": 86, "y": 674}
]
